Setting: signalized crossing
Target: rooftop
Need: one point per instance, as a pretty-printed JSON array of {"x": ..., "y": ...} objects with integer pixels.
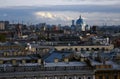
[
  {"x": 58, "y": 55},
  {"x": 64, "y": 64}
]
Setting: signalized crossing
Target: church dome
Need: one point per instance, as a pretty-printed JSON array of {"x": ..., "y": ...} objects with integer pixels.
[{"x": 79, "y": 21}]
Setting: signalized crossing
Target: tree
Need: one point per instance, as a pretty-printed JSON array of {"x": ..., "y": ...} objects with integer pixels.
[{"x": 2, "y": 38}]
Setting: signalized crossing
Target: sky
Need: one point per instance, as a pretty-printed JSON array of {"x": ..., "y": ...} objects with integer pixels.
[
  {"x": 94, "y": 12},
  {"x": 5, "y": 3}
]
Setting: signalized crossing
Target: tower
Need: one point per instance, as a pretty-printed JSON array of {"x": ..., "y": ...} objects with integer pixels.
[
  {"x": 80, "y": 25},
  {"x": 73, "y": 25},
  {"x": 73, "y": 21},
  {"x": 19, "y": 30}
]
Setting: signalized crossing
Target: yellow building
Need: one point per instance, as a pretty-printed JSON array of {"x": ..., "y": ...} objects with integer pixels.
[{"x": 107, "y": 74}]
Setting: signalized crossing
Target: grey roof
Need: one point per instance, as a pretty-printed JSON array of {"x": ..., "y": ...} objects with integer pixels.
[
  {"x": 58, "y": 55},
  {"x": 16, "y": 58},
  {"x": 64, "y": 64}
]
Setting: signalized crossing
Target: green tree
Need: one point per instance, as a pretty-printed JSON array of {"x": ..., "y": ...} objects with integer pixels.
[{"x": 2, "y": 38}]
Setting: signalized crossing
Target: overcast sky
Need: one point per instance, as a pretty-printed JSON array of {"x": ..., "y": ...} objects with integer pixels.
[
  {"x": 94, "y": 12},
  {"x": 5, "y": 3}
]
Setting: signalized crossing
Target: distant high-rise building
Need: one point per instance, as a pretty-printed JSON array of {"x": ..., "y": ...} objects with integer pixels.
[
  {"x": 3, "y": 25},
  {"x": 94, "y": 28},
  {"x": 19, "y": 30},
  {"x": 73, "y": 24},
  {"x": 73, "y": 21}
]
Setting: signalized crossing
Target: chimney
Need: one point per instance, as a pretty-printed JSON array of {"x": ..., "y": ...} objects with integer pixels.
[
  {"x": 1, "y": 61},
  {"x": 23, "y": 61},
  {"x": 39, "y": 61},
  {"x": 81, "y": 59},
  {"x": 14, "y": 62},
  {"x": 56, "y": 60},
  {"x": 66, "y": 60}
]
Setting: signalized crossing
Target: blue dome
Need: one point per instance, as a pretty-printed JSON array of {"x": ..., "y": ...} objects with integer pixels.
[{"x": 79, "y": 21}]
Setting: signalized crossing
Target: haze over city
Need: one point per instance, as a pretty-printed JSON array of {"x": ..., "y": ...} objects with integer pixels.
[
  {"x": 59, "y": 39},
  {"x": 61, "y": 11}
]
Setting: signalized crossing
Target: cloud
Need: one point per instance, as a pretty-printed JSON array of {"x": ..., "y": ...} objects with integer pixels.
[
  {"x": 93, "y": 2},
  {"x": 90, "y": 18},
  {"x": 45, "y": 15},
  {"x": 52, "y": 15},
  {"x": 63, "y": 14}
]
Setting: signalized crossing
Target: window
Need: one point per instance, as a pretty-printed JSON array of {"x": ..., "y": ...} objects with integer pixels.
[
  {"x": 14, "y": 78},
  {"x": 107, "y": 77},
  {"x": 100, "y": 77},
  {"x": 115, "y": 77},
  {"x": 79, "y": 78},
  {"x": 89, "y": 77},
  {"x": 24, "y": 77},
  {"x": 34, "y": 77},
  {"x": 82, "y": 49},
  {"x": 92, "y": 48},
  {"x": 70, "y": 78},
  {"x": 87, "y": 49},
  {"x": 97, "y": 49},
  {"x": 103, "y": 49},
  {"x": 76, "y": 49}
]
